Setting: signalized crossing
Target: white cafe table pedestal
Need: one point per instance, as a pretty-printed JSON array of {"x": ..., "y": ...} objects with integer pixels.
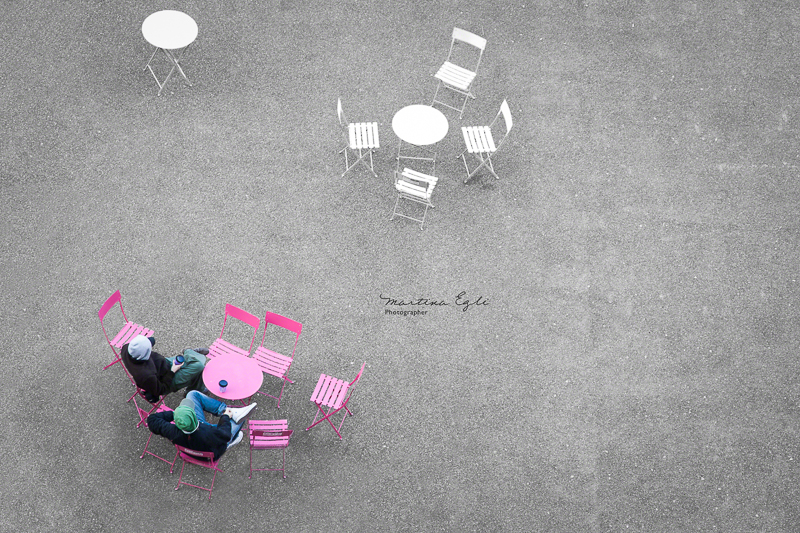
[
  {"x": 171, "y": 32},
  {"x": 420, "y": 126}
]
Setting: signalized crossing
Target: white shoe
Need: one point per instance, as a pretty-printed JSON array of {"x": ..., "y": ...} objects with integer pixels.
[
  {"x": 237, "y": 440},
  {"x": 238, "y": 413}
]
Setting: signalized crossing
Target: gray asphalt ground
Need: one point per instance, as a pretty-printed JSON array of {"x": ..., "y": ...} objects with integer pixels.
[{"x": 634, "y": 367}]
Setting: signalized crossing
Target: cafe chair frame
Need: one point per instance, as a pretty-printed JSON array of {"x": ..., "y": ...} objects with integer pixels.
[
  {"x": 480, "y": 142},
  {"x": 274, "y": 363},
  {"x": 459, "y": 78},
  {"x": 221, "y": 346},
  {"x": 201, "y": 459},
  {"x": 415, "y": 187},
  {"x": 268, "y": 435},
  {"x": 128, "y": 331},
  {"x": 361, "y": 138},
  {"x": 334, "y": 394}
]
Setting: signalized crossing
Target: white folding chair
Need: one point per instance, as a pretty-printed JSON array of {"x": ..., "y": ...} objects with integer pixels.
[
  {"x": 360, "y": 137},
  {"x": 480, "y": 142},
  {"x": 415, "y": 187},
  {"x": 458, "y": 78}
]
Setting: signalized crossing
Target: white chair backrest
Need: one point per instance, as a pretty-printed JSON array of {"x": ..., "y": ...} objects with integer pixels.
[
  {"x": 506, "y": 116},
  {"x": 470, "y": 38},
  {"x": 339, "y": 111}
]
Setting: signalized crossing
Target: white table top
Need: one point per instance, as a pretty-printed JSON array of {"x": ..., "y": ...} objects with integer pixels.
[
  {"x": 169, "y": 29},
  {"x": 420, "y": 125}
]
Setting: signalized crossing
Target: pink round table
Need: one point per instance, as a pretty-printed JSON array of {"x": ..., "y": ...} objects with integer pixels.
[{"x": 243, "y": 375}]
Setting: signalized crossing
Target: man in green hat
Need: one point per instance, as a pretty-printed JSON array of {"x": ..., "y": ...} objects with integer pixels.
[{"x": 191, "y": 430}]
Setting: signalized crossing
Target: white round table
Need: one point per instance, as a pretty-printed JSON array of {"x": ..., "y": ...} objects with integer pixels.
[
  {"x": 420, "y": 126},
  {"x": 169, "y": 31}
]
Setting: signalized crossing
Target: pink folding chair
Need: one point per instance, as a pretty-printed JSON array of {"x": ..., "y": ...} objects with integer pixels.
[
  {"x": 269, "y": 435},
  {"x": 201, "y": 459},
  {"x": 143, "y": 417},
  {"x": 274, "y": 363},
  {"x": 221, "y": 346},
  {"x": 128, "y": 331},
  {"x": 334, "y": 394},
  {"x": 137, "y": 397}
]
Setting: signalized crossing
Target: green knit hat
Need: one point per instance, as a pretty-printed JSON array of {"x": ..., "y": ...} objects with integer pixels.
[{"x": 185, "y": 419}]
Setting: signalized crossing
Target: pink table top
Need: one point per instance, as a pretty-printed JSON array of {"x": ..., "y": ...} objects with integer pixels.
[{"x": 243, "y": 375}]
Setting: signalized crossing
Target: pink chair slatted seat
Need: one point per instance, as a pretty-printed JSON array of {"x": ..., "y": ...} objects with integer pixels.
[
  {"x": 480, "y": 142},
  {"x": 201, "y": 459},
  {"x": 221, "y": 346},
  {"x": 272, "y": 362},
  {"x": 143, "y": 417},
  {"x": 268, "y": 435},
  {"x": 361, "y": 137},
  {"x": 334, "y": 394},
  {"x": 128, "y": 331},
  {"x": 458, "y": 78}
]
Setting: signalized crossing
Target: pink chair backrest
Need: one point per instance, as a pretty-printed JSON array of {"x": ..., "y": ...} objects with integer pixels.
[
  {"x": 359, "y": 375},
  {"x": 353, "y": 383},
  {"x": 285, "y": 323},
  {"x": 244, "y": 316},
  {"x": 272, "y": 433},
  {"x": 198, "y": 458},
  {"x": 113, "y": 300}
]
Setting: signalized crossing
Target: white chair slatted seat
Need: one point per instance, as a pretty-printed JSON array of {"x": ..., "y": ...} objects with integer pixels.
[
  {"x": 479, "y": 141},
  {"x": 455, "y": 77},
  {"x": 361, "y": 138},
  {"x": 416, "y": 187}
]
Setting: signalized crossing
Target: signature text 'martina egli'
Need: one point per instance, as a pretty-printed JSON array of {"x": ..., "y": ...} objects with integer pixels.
[{"x": 459, "y": 301}]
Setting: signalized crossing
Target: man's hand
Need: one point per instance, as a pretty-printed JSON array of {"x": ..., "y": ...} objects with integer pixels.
[{"x": 175, "y": 367}]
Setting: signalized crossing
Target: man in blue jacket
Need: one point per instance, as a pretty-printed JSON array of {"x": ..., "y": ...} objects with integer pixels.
[{"x": 191, "y": 430}]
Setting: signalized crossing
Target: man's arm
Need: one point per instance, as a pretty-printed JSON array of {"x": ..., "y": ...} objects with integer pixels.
[
  {"x": 165, "y": 374},
  {"x": 224, "y": 425},
  {"x": 160, "y": 424}
]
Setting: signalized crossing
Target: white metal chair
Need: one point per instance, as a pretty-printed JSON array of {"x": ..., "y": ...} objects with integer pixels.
[
  {"x": 480, "y": 142},
  {"x": 415, "y": 187},
  {"x": 360, "y": 137},
  {"x": 458, "y": 78}
]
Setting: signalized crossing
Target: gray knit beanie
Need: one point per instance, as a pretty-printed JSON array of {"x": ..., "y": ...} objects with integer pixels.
[{"x": 139, "y": 348}]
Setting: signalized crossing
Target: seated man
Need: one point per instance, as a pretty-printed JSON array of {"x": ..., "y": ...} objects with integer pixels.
[
  {"x": 157, "y": 375},
  {"x": 191, "y": 430}
]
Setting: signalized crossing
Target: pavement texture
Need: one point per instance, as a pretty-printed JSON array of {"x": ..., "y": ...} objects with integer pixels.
[{"x": 630, "y": 363}]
